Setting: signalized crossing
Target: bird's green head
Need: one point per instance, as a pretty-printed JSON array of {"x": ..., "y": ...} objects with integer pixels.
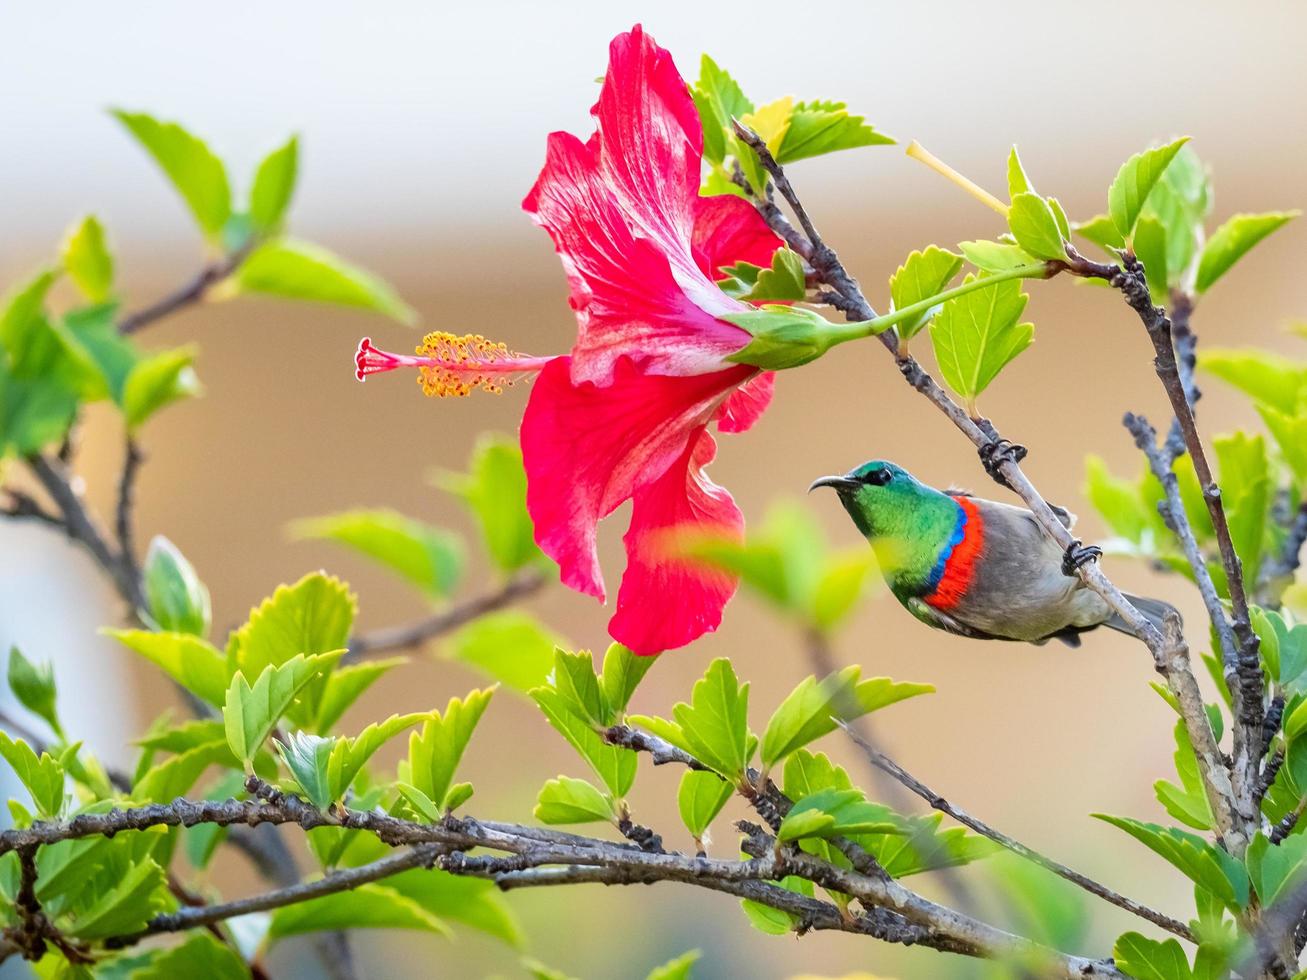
[{"x": 886, "y": 501}]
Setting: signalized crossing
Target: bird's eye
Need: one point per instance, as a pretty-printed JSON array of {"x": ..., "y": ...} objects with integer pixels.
[{"x": 878, "y": 478}]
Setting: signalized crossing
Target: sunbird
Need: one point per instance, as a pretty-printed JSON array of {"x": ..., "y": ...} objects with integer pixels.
[{"x": 976, "y": 567}]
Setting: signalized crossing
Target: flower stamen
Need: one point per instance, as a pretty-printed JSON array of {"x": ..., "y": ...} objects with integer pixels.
[{"x": 450, "y": 366}]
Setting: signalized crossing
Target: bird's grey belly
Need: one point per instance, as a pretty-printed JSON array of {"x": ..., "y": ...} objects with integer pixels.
[{"x": 1026, "y": 596}]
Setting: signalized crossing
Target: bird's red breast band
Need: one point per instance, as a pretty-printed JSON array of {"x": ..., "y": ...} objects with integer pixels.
[{"x": 960, "y": 566}]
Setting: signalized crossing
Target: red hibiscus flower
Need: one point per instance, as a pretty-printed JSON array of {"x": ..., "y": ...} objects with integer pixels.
[{"x": 626, "y": 415}]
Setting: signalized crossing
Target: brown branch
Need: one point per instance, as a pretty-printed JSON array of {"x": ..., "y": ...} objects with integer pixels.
[
  {"x": 187, "y": 295},
  {"x": 520, "y": 586},
  {"x": 21, "y": 506},
  {"x": 1169, "y": 650},
  {"x": 123, "y": 513},
  {"x": 887, "y": 765}
]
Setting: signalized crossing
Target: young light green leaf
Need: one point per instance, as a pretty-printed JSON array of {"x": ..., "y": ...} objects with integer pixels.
[
  {"x": 677, "y": 969},
  {"x": 472, "y": 901},
  {"x": 426, "y": 556},
  {"x": 622, "y": 672},
  {"x": 1232, "y": 241},
  {"x": 345, "y": 685},
  {"x": 1134, "y": 181},
  {"x": 567, "y": 800},
  {"x": 719, "y": 100},
  {"x": 298, "y": 270},
  {"x": 1188, "y": 801},
  {"x": 127, "y": 905},
  {"x": 576, "y": 681},
  {"x": 175, "y": 597},
  {"x": 715, "y": 724},
  {"x": 494, "y": 490},
  {"x": 1270, "y": 378},
  {"x": 784, "y": 280},
  {"x": 614, "y": 765},
  {"x": 1035, "y": 226},
  {"x": 250, "y": 711},
  {"x": 1151, "y": 959},
  {"x": 700, "y": 798},
  {"x": 1275, "y": 869},
  {"x": 88, "y": 261},
  {"x": 1117, "y": 501},
  {"x": 812, "y": 709},
  {"x": 977, "y": 334},
  {"x": 843, "y": 582},
  {"x": 33, "y": 685},
  {"x": 274, "y": 183},
  {"x": 995, "y": 256},
  {"x": 1213, "y": 869},
  {"x": 194, "y": 170},
  {"x": 156, "y": 381},
  {"x": 1151, "y": 248},
  {"x": 511, "y": 647},
  {"x": 42, "y": 776},
  {"x": 200, "y": 956},
  {"x": 192, "y": 662},
  {"x": 1246, "y": 486},
  {"x": 434, "y": 753},
  {"x": 1017, "y": 181},
  {"x": 1101, "y": 230},
  {"x": 176, "y": 776},
  {"x": 923, "y": 274},
  {"x": 370, "y": 906},
  {"x": 823, "y": 126},
  {"x": 307, "y": 756},
  {"x": 836, "y": 813}
]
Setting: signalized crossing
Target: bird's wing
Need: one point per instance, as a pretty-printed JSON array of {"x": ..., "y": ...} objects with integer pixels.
[
  {"x": 1067, "y": 518},
  {"x": 933, "y": 617}
]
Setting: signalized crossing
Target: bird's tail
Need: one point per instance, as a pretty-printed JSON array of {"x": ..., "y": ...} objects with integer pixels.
[{"x": 1153, "y": 610}]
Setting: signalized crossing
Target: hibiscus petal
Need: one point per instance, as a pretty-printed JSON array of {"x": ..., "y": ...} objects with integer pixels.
[
  {"x": 746, "y": 405},
  {"x": 727, "y": 230},
  {"x": 664, "y": 601},
  {"x": 589, "y": 448},
  {"x": 627, "y": 301}
]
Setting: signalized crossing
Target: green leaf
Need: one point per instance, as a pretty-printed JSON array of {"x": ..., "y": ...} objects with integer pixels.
[
  {"x": 1035, "y": 227},
  {"x": 1150, "y": 247},
  {"x": 88, "y": 261},
  {"x": 1101, "y": 230},
  {"x": 274, "y": 183},
  {"x": 90, "y": 338},
  {"x": 494, "y": 490},
  {"x": 715, "y": 724},
  {"x": 784, "y": 280},
  {"x": 510, "y": 647},
  {"x": 428, "y": 557},
  {"x": 43, "y": 776},
  {"x": 307, "y": 756},
  {"x": 836, "y": 813},
  {"x": 157, "y": 381},
  {"x": 370, "y": 906},
  {"x": 812, "y": 709},
  {"x": 1290, "y": 433},
  {"x": 198, "y": 175},
  {"x": 250, "y": 712},
  {"x": 192, "y": 662},
  {"x": 920, "y": 846},
  {"x": 1275, "y": 869},
  {"x": 1134, "y": 181},
  {"x": 471, "y": 901},
  {"x": 33, "y": 414},
  {"x": 576, "y": 682},
  {"x": 923, "y": 274},
  {"x": 566, "y": 800},
  {"x": 1117, "y": 501},
  {"x": 348, "y": 756},
  {"x": 298, "y": 270},
  {"x": 126, "y": 906},
  {"x": 434, "y": 753},
  {"x": 200, "y": 956},
  {"x": 1210, "y": 867},
  {"x": 1179, "y": 202},
  {"x": 312, "y": 616},
  {"x": 1151, "y": 959},
  {"x": 977, "y": 334},
  {"x": 34, "y": 688},
  {"x": 1017, "y": 181},
  {"x": 176, "y": 599},
  {"x": 784, "y": 336},
  {"x": 622, "y": 672},
  {"x": 1270, "y": 378},
  {"x": 1246, "y": 488},
  {"x": 776, "y": 922},
  {"x": 176, "y": 776},
  {"x": 1187, "y": 802},
  {"x": 677, "y": 969},
  {"x": 615, "y": 766},
  {"x": 1230, "y": 242},
  {"x": 823, "y": 126},
  {"x": 719, "y": 100},
  {"x": 843, "y": 582},
  {"x": 700, "y": 798}
]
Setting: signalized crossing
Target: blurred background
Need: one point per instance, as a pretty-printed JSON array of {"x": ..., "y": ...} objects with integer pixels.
[{"x": 422, "y": 126}]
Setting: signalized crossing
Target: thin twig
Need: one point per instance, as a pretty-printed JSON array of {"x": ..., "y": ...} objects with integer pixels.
[
  {"x": 520, "y": 586},
  {"x": 887, "y": 765},
  {"x": 21, "y": 506},
  {"x": 126, "y": 508},
  {"x": 189, "y": 294}
]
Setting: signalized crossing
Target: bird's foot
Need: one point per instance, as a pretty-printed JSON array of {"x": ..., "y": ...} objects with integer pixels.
[
  {"x": 995, "y": 453},
  {"x": 1079, "y": 555}
]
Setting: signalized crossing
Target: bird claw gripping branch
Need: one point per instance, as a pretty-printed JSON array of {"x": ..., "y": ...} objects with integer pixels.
[
  {"x": 1078, "y": 555},
  {"x": 995, "y": 453}
]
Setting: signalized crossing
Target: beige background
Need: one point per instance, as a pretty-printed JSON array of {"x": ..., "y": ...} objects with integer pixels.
[{"x": 423, "y": 125}]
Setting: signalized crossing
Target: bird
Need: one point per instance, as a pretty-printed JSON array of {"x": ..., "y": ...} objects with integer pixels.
[{"x": 977, "y": 568}]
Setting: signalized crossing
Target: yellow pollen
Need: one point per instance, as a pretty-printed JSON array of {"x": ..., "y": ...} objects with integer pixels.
[{"x": 462, "y": 364}]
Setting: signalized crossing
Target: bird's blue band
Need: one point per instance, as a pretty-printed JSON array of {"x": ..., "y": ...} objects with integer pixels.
[{"x": 937, "y": 573}]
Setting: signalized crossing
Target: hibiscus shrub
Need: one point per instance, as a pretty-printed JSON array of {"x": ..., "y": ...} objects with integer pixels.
[{"x": 695, "y": 274}]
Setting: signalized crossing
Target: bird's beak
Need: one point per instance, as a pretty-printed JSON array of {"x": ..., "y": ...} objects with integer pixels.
[{"x": 840, "y": 483}]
